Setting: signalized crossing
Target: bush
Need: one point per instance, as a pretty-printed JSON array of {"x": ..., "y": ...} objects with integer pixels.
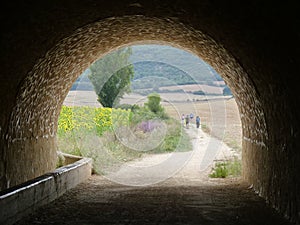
[
  {"x": 93, "y": 132},
  {"x": 228, "y": 168},
  {"x": 175, "y": 139},
  {"x": 91, "y": 119},
  {"x": 154, "y": 103},
  {"x": 148, "y": 126},
  {"x": 220, "y": 170},
  {"x": 128, "y": 107}
]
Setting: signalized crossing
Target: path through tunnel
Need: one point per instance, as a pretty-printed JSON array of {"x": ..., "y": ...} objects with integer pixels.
[
  {"x": 175, "y": 201},
  {"x": 29, "y": 124},
  {"x": 45, "y": 88}
]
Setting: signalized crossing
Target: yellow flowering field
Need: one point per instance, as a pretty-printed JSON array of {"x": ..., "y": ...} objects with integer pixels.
[{"x": 91, "y": 119}]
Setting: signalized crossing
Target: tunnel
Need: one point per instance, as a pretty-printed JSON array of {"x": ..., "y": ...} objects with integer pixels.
[{"x": 46, "y": 45}]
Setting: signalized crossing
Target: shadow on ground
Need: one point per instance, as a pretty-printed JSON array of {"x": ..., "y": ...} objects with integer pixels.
[{"x": 100, "y": 201}]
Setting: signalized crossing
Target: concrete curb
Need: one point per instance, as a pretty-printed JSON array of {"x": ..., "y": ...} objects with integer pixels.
[{"x": 19, "y": 201}]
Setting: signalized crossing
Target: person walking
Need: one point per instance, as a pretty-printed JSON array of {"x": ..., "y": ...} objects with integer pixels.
[
  {"x": 182, "y": 119},
  {"x": 187, "y": 121},
  {"x": 191, "y": 116},
  {"x": 197, "y": 121}
]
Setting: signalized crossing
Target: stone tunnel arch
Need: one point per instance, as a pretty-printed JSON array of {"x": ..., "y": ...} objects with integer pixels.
[
  {"x": 31, "y": 133},
  {"x": 42, "y": 93}
]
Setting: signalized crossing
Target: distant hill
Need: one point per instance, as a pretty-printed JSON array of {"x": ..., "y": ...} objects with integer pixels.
[
  {"x": 149, "y": 73},
  {"x": 159, "y": 66},
  {"x": 178, "y": 65}
]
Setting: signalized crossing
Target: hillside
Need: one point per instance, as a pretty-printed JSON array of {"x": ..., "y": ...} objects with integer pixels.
[
  {"x": 178, "y": 65},
  {"x": 158, "y": 66}
]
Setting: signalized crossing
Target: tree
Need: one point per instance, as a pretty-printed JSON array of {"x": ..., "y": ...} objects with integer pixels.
[
  {"x": 111, "y": 76},
  {"x": 154, "y": 103}
]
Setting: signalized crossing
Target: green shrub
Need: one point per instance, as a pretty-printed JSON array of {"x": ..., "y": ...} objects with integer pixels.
[
  {"x": 176, "y": 139},
  {"x": 220, "y": 170},
  {"x": 128, "y": 107},
  {"x": 93, "y": 132},
  {"x": 228, "y": 168},
  {"x": 154, "y": 103}
]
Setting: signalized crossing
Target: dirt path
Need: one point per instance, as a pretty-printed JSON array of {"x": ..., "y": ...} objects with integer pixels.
[
  {"x": 180, "y": 192},
  {"x": 187, "y": 167}
]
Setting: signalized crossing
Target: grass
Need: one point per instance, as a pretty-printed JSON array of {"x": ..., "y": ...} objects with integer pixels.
[
  {"x": 232, "y": 134},
  {"x": 119, "y": 152},
  {"x": 125, "y": 142},
  {"x": 229, "y": 168}
]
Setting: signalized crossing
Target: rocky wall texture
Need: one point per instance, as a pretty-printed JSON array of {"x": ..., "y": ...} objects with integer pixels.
[{"x": 47, "y": 45}]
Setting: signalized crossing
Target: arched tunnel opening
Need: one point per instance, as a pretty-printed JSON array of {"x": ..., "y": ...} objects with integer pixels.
[
  {"x": 29, "y": 122},
  {"x": 42, "y": 97},
  {"x": 115, "y": 127}
]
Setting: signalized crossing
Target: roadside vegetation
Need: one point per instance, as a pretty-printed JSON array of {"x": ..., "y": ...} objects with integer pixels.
[
  {"x": 114, "y": 132},
  {"x": 227, "y": 168},
  {"x": 112, "y": 136}
]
